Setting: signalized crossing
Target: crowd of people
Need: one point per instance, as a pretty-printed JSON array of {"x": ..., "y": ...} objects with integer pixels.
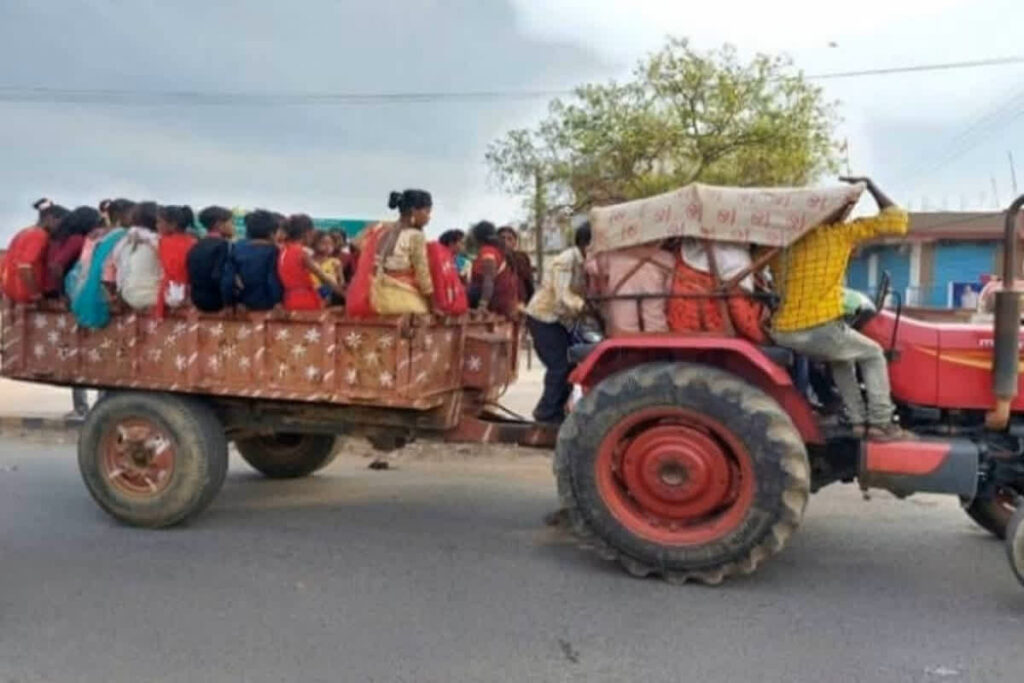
[
  {"x": 154, "y": 258},
  {"x": 147, "y": 257}
]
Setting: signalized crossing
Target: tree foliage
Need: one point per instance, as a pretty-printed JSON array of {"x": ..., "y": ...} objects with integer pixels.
[{"x": 684, "y": 116}]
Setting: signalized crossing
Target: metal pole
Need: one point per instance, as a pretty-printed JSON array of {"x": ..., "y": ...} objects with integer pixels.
[
  {"x": 538, "y": 218},
  {"x": 1013, "y": 172}
]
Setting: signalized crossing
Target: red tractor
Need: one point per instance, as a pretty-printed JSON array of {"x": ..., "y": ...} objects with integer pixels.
[
  {"x": 688, "y": 457},
  {"x": 693, "y": 458}
]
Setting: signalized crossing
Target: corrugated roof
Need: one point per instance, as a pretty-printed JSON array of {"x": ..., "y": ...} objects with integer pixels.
[{"x": 956, "y": 225}]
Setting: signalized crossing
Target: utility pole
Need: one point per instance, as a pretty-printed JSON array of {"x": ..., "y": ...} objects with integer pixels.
[
  {"x": 1013, "y": 172},
  {"x": 995, "y": 192},
  {"x": 538, "y": 218}
]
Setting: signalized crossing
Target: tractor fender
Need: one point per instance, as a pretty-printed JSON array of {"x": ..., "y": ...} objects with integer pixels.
[{"x": 732, "y": 354}]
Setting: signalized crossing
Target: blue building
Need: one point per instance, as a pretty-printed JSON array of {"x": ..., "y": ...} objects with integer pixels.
[{"x": 943, "y": 254}]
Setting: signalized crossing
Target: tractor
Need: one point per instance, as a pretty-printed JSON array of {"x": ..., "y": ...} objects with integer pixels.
[{"x": 693, "y": 457}]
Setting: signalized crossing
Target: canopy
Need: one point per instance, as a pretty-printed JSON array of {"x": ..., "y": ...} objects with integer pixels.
[{"x": 774, "y": 217}]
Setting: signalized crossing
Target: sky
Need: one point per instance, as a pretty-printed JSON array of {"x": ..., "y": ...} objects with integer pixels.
[{"x": 936, "y": 140}]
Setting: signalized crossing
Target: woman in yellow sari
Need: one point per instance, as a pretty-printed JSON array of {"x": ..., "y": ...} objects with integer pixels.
[{"x": 402, "y": 283}]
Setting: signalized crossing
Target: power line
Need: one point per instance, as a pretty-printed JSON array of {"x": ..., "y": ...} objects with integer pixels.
[
  {"x": 20, "y": 94},
  {"x": 946, "y": 66},
  {"x": 988, "y": 122}
]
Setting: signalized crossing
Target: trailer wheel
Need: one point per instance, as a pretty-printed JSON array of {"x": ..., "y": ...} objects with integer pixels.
[
  {"x": 288, "y": 456},
  {"x": 992, "y": 512},
  {"x": 152, "y": 460},
  {"x": 682, "y": 471}
]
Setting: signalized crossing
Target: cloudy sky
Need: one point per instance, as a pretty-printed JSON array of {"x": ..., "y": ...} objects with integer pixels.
[{"x": 936, "y": 139}]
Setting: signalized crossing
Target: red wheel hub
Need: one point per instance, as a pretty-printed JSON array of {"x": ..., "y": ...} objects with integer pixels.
[
  {"x": 674, "y": 476},
  {"x": 137, "y": 457}
]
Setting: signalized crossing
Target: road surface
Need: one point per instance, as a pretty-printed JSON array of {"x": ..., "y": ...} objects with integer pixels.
[{"x": 440, "y": 570}]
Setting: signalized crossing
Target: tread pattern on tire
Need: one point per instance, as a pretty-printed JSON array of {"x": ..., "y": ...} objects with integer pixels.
[
  {"x": 779, "y": 431},
  {"x": 189, "y": 419},
  {"x": 990, "y": 515}
]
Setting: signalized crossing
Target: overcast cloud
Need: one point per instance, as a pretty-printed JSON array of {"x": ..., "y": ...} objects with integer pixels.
[{"x": 342, "y": 160}]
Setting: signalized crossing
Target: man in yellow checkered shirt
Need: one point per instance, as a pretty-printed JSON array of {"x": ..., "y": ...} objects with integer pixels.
[{"x": 809, "y": 276}]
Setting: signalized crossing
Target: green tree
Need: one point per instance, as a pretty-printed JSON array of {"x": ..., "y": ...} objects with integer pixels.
[{"x": 684, "y": 116}]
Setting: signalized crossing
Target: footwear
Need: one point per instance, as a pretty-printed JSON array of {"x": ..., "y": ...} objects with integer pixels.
[
  {"x": 888, "y": 433},
  {"x": 858, "y": 431}
]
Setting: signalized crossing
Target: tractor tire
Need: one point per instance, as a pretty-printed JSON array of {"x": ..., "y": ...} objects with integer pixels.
[
  {"x": 152, "y": 460},
  {"x": 1015, "y": 544},
  {"x": 288, "y": 456},
  {"x": 682, "y": 471},
  {"x": 993, "y": 512}
]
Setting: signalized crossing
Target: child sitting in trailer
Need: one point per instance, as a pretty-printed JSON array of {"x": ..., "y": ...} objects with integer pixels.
[
  {"x": 296, "y": 267},
  {"x": 173, "y": 224},
  {"x": 250, "y": 269},
  {"x": 136, "y": 261},
  {"x": 326, "y": 258}
]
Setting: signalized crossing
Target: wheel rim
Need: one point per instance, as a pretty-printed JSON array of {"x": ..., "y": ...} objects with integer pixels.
[
  {"x": 674, "y": 476},
  {"x": 137, "y": 457}
]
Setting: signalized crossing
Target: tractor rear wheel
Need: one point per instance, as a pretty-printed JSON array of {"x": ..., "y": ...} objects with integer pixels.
[
  {"x": 152, "y": 460},
  {"x": 286, "y": 455},
  {"x": 992, "y": 512},
  {"x": 683, "y": 471}
]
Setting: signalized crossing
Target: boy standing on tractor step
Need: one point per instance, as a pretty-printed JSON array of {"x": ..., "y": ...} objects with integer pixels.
[{"x": 809, "y": 276}]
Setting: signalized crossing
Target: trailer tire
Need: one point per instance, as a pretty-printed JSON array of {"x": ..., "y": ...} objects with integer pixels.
[
  {"x": 152, "y": 460},
  {"x": 286, "y": 455},
  {"x": 992, "y": 512},
  {"x": 682, "y": 471}
]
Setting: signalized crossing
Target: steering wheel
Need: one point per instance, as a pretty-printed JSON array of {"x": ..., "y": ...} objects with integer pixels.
[{"x": 884, "y": 288}]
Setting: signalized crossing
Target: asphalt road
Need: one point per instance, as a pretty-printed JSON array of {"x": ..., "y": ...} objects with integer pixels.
[{"x": 442, "y": 571}]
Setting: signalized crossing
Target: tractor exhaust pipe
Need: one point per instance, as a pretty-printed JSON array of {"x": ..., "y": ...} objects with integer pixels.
[{"x": 1006, "y": 355}]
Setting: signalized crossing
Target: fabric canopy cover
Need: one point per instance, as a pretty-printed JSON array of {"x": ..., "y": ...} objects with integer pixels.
[{"x": 774, "y": 217}]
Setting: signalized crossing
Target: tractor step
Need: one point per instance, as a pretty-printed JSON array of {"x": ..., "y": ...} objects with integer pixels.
[{"x": 925, "y": 466}]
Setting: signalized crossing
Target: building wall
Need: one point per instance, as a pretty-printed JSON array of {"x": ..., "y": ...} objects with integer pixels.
[
  {"x": 865, "y": 269},
  {"x": 922, "y": 272},
  {"x": 957, "y": 262}
]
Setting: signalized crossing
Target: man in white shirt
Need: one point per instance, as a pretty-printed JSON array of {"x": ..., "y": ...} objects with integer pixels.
[{"x": 555, "y": 306}]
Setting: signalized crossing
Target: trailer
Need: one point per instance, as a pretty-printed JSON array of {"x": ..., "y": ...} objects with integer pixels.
[{"x": 283, "y": 386}]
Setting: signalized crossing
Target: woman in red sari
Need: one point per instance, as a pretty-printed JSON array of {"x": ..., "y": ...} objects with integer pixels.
[
  {"x": 296, "y": 267},
  {"x": 172, "y": 223},
  {"x": 24, "y": 272},
  {"x": 493, "y": 285}
]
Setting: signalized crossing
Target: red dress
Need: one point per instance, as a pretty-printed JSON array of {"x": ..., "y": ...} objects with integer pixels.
[
  {"x": 299, "y": 293},
  {"x": 449, "y": 293},
  {"x": 505, "y": 299},
  {"x": 27, "y": 248},
  {"x": 699, "y": 314},
  {"x": 357, "y": 298},
  {"x": 173, "y": 251},
  {"x": 60, "y": 256}
]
